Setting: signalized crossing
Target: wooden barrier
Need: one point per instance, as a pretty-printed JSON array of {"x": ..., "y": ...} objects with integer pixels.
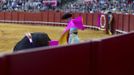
[
  {"x": 131, "y": 22},
  {"x": 95, "y": 19},
  {"x": 94, "y": 54},
  {"x": 115, "y": 20},
  {"x": 89, "y": 19},
  {"x": 45, "y": 16},
  {"x": 29, "y": 16},
  {"x": 4, "y": 66},
  {"x": 21, "y": 16},
  {"x": 57, "y": 17},
  {"x": 68, "y": 60},
  {"x": 126, "y": 23},
  {"x": 115, "y": 56},
  {"x": 2, "y": 16},
  {"x": 8, "y": 16},
  {"x": 36, "y": 17},
  {"x": 84, "y": 16},
  {"x": 51, "y": 16},
  {"x": 121, "y": 21},
  {"x": 15, "y": 16},
  {"x": 33, "y": 16},
  {"x": 63, "y": 21},
  {"x": 76, "y": 15}
]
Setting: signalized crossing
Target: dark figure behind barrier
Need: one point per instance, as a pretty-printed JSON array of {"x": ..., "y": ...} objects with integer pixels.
[
  {"x": 33, "y": 40},
  {"x": 110, "y": 29}
]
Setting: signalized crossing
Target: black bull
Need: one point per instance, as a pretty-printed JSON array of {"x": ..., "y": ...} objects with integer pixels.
[{"x": 39, "y": 39}]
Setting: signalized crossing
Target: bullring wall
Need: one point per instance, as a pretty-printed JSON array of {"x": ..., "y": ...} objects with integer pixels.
[{"x": 122, "y": 22}]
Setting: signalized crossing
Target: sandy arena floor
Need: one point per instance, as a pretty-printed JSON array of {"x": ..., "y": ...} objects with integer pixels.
[{"x": 10, "y": 34}]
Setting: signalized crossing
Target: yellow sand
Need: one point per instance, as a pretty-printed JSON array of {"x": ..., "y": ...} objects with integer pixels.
[{"x": 10, "y": 34}]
